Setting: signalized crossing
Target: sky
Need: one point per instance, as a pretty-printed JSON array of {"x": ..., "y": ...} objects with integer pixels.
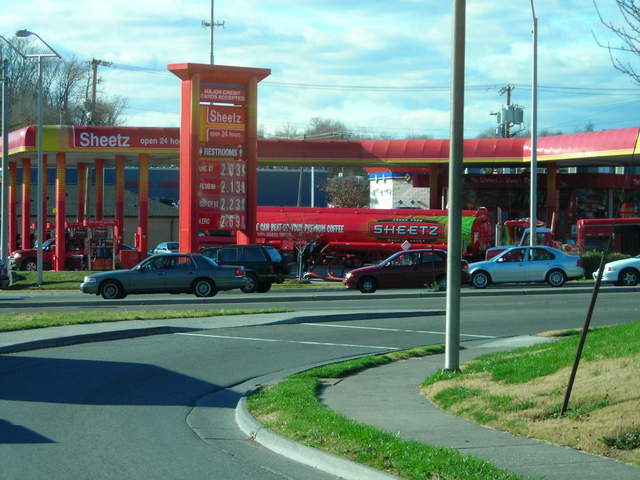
[{"x": 381, "y": 67}]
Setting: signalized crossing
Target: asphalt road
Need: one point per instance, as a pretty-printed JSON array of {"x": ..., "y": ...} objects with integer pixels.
[
  {"x": 536, "y": 308},
  {"x": 125, "y": 409}
]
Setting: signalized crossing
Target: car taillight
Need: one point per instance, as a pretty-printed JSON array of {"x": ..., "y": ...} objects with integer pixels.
[
  {"x": 465, "y": 266},
  {"x": 239, "y": 272},
  {"x": 579, "y": 262}
]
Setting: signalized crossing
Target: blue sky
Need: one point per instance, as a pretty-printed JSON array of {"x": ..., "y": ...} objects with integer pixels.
[{"x": 380, "y": 67}]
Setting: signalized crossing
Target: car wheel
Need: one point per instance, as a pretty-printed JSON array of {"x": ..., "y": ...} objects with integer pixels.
[
  {"x": 251, "y": 285},
  {"x": 30, "y": 265},
  {"x": 480, "y": 279},
  {"x": 204, "y": 288},
  {"x": 111, "y": 290},
  {"x": 556, "y": 278},
  {"x": 628, "y": 277},
  {"x": 441, "y": 283},
  {"x": 263, "y": 287},
  {"x": 367, "y": 285}
]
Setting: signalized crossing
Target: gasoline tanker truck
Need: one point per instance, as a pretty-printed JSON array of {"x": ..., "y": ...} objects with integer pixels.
[{"x": 355, "y": 236}]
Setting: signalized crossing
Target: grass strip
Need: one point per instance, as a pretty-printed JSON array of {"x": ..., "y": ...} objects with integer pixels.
[
  {"x": 522, "y": 392},
  {"x": 25, "y": 321},
  {"x": 70, "y": 280},
  {"x": 527, "y": 363},
  {"x": 292, "y": 409}
]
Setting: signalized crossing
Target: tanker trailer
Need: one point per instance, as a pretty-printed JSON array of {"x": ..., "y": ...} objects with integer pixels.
[{"x": 355, "y": 236}]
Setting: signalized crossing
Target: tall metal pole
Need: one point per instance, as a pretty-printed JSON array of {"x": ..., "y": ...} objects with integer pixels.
[
  {"x": 213, "y": 26},
  {"x": 313, "y": 187},
  {"x": 40, "y": 220},
  {"x": 533, "y": 213},
  {"x": 452, "y": 353},
  {"x": 4, "y": 253},
  {"x": 41, "y": 175},
  {"x": 4, "y": 234}
]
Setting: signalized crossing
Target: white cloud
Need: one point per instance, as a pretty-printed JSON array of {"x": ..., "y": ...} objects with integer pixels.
[{"x": 375, "y": 43}]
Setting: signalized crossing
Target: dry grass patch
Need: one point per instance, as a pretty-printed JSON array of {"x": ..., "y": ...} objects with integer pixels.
[{"x": 605, "y": 402}]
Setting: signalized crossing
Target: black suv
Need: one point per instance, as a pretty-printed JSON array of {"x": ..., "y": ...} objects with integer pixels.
[{"x": 263, "y": 265}]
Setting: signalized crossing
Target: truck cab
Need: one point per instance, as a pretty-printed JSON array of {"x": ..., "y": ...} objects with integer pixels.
[{"x": 543, "y": 234}]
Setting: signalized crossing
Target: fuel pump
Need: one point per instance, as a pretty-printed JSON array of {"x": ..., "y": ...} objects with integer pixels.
[{"x": 101, "y": 247}]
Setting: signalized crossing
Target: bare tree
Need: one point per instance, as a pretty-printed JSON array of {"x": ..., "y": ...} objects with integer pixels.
[
  {"x": 287, "y": 131},
  {"x": 628, "y": 34},
  {"x": 349, "y": 192},
  {"x": 67, "y": 93},
  {"x": 326, "y": 129},
  {"x": 63, "y": 90}
]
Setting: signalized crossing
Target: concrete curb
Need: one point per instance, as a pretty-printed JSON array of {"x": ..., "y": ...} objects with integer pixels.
[
  {"x": 312, "y": 457},
  {"x": 88, "y": 337}
]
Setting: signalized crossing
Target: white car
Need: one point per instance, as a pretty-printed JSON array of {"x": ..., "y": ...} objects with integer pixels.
[{"x": 624, "y": 272}]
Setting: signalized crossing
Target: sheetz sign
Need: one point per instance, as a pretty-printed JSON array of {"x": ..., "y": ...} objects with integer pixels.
[{"x": 222, "y": 166}]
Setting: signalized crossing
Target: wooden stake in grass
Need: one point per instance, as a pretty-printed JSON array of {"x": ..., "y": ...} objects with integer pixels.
[{"x": 585, "y": 329}]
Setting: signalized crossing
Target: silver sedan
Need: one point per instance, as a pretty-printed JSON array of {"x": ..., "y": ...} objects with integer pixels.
[
  {"x": 169, "y": 273},
  {"x": 527, "y": 264}
]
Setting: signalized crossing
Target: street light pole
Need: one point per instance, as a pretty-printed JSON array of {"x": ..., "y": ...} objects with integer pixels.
[
  {"x": 533, "y": 212},
  {"x": 4, "y": 233},
  {"x": 4, "y": 220},
  {"x": 41, "y": 175},
  {"x": 456, "y": 156}
]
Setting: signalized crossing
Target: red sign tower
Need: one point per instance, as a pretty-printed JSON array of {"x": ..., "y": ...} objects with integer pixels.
[{"x": 218, "y": 151}]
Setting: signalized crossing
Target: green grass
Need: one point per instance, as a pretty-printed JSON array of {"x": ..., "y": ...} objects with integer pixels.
[
  {"x": 580, "y": 410},
  {"x": 292, "y": 409},
  {"x": 451, "y": 396},
  {"x": 525, "y": 364},
  {"x": 24, "y": 321},
  {"x": 51, "y": 281},
  {"x": 350, "y": 367},
  {"x": 70, "y": 280},
  {"x": 624, "y": 441}
]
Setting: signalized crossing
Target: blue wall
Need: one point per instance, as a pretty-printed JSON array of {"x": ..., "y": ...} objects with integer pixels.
[{"x": 275, "y": 187}]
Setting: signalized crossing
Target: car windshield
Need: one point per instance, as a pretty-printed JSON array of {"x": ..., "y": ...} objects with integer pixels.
[
  {"x": 391, "y": 259},
  {"x": 173, "y": 246},
  {"x": 45, "y": 244},
  {"x": 274, "y": 254},
  {"x": 209, "y": 260}
]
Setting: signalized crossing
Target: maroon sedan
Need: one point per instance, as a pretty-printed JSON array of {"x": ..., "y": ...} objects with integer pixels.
[{"x": 406, "y": 269}]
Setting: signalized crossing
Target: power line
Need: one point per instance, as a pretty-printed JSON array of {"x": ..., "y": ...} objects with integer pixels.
[{"x": 443, "y": 89}]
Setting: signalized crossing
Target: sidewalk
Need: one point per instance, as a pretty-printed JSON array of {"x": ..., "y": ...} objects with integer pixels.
[{"x": 388, "y": 397}]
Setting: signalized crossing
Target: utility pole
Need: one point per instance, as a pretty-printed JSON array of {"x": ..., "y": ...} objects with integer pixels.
[
  {"x": 508, "y": 116},
  {"x": 504, "y": 127},
  {"x": 94, "y": 83},
  {"x": 212, "y": 25}
]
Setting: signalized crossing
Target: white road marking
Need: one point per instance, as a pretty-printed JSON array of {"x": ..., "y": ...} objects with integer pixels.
[
  {"x": 289, "y": 341},
  {"x": 393, "y": 330}
]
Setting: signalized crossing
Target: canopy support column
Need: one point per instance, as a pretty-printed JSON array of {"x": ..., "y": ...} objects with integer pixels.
[{"x": 61, "y": 231}]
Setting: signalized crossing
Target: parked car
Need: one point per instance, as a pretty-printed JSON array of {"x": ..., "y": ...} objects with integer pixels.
[
  {"x": 625, "y": 272},
  {"x": 407, "y": 269},
  {"x": 263, "y": 264},
  {"x": 527, "y": 264},
  {"x": 26, "y": 259},
  {"x": 166, "y": 247},
  {"x": 167, "y": 273},
  {"x": 5, "y": 280}
]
